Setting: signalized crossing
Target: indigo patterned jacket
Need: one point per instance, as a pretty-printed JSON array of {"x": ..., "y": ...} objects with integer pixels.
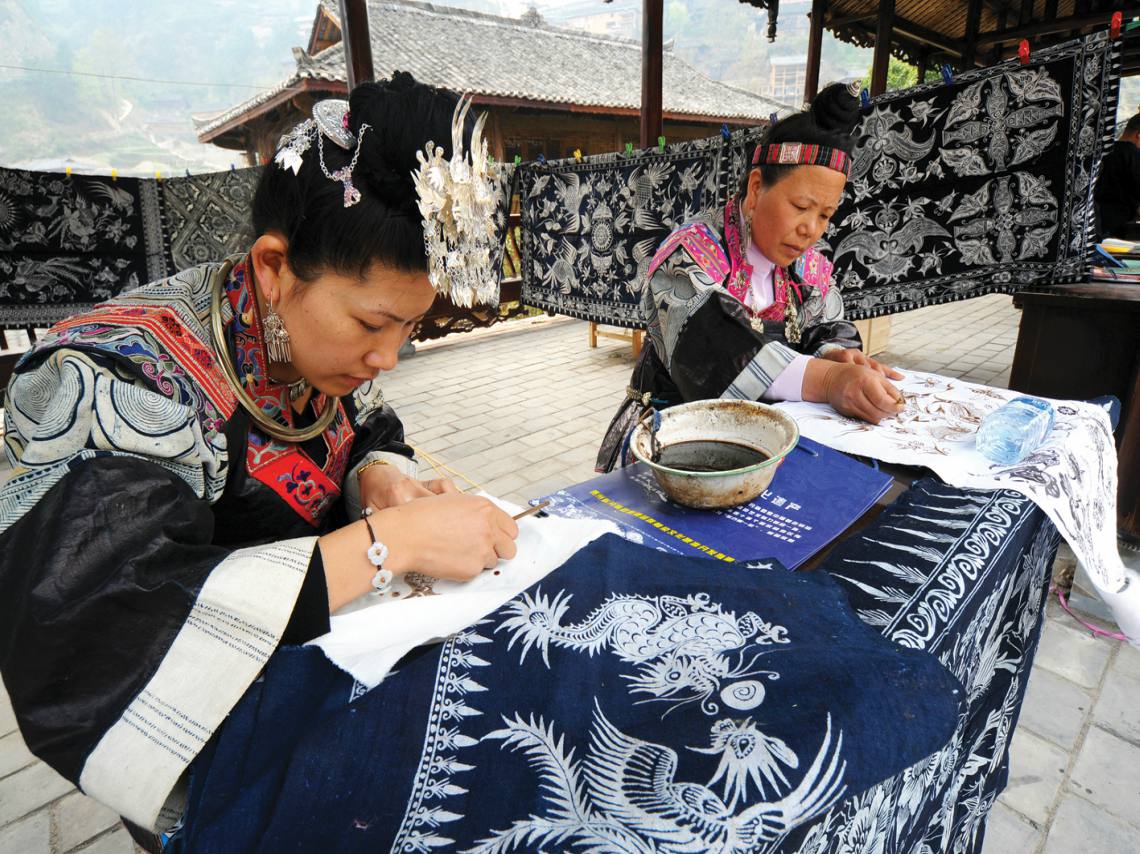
[
  {"x": 155, "y": 548},
  {"x": 705, "y": 343}
]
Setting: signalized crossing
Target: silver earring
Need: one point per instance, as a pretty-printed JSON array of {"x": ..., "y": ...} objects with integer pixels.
[{"x": 276, "y": 337}]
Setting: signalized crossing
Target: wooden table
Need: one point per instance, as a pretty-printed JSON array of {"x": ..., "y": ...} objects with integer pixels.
[{"x": 1083, "y": 341}]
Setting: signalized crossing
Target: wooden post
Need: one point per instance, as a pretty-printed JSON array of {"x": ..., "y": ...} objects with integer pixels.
[
  {"x": 973, "y": 21},
  {"x": 923, "y": 65},
  {"x": 652, "y": 35},
  {"x": 357, "y": 41},
  {"x": 882, "y": 57},
  {"x": 815, "y": 49}
]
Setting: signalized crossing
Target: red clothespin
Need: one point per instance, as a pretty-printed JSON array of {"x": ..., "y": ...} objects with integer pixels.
[
  {"x": 1116, "y": 25},
  {"x": 1023, "y": 51}
]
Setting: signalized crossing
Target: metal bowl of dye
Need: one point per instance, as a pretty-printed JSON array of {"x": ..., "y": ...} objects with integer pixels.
[{"x": 712, "y": 454}]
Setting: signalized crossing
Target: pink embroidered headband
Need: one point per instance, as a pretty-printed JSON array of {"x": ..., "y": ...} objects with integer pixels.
[{"x": 802, "y": 154}]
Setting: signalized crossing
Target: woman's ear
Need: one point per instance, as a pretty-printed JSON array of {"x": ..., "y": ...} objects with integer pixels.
[
  {"x": 271, "y": 271},
  {"x": 755, "y": 187}
]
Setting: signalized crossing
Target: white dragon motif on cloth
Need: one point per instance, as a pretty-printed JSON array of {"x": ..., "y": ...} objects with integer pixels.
[{"x": 684, "y": 648}]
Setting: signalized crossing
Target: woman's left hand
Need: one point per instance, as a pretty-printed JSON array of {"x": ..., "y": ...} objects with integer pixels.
[
  {"x": 387, "y": 486},
  {"x": 855, "y": 356}
]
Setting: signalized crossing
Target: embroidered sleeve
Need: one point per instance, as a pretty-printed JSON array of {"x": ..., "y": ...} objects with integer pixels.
[
  {"x": 116, "y": 607},
  {"x": 704, "y": 336}
]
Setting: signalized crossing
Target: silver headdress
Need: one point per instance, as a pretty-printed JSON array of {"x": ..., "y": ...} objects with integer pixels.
[
  {"x": 458, "y": 200},
  {"x": 329, "y": 121}
]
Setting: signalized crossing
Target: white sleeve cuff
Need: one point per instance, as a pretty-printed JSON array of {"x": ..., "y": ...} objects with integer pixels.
[{"x": 789, "y": 384}]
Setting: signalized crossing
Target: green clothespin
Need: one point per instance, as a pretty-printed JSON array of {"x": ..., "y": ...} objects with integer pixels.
[
  {"x": 518, "y": 159},
  {"x": 661, "y": 143},
  {"x": 629, "y": 148}
]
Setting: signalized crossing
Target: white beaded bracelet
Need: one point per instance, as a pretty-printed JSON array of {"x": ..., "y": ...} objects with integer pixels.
[{"x": 377, "y": 554}]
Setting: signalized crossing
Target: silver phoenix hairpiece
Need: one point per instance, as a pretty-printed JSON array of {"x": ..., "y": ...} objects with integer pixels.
[
  {"x": 330, "y": 120},
  {"x": 458, "y": 200}
]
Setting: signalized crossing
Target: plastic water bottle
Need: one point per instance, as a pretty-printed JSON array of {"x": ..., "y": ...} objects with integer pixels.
[{"x": 1009, "y": 434}]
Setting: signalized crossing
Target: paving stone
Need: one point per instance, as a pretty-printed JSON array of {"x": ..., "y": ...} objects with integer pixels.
[
  {"x": 30, "y": 836},
  {"x": 1008, "y": 832},
  {"x": 1082, "y": 827},
  {"x": 117, "y": 842},
  {"x": 1054, "y": 707},
  {"x": 1118, "y": 708},
  {"x": 7, "y": 716},
  {"x": 80, "y": 818},
  {"x": 1108, "y": 773},
  {"x": 1036, "y": 769},
  {"x": 1126, "y": 663},
  {"x": 1071, "y": 654},
  {"x": 30, "y": 789},
  {"x": 14, "y": 755}
]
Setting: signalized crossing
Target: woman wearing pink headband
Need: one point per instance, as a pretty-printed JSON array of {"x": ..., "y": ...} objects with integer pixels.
[{"x": 738, "y": 302}]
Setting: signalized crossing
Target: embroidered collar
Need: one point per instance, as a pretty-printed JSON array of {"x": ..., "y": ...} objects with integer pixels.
[
  {"x": 285, "y": 468},
  {"x": 740, "y": 278}
]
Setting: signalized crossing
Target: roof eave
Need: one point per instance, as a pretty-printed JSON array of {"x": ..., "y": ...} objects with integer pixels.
[{"x": 307, "y": 84}]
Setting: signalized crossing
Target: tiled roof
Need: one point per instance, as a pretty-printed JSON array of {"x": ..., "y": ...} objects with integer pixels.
[{"x": 509, "y": 58}]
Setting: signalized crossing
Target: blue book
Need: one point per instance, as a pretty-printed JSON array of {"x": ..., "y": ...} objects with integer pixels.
[{"x": 816, "y": 494}]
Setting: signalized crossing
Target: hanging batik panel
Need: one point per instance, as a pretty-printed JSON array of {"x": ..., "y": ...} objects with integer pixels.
[
  {"x": 984, "y": 185},
  {"x": 591, "y": 226}
]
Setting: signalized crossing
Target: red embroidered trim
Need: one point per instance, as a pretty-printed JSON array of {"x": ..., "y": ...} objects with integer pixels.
[
  {"x": 285, "y": 468},
  {"x": 186, "y": 348}
]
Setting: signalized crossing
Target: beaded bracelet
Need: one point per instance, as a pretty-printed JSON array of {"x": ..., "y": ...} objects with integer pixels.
[{"x": 377, "y": 554}]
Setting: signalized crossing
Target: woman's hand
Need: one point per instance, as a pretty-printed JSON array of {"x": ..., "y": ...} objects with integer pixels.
[
  {"x": 383, "y": 486},
  {"x": 855, "y": 356},
  {"x": 852, "y": 390},
  {"x": 453, "y": 536}
]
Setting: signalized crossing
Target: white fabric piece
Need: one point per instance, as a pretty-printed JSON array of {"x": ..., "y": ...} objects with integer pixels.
[
  {"x": 369, "y": 635},
  {"x": 1071, "y": 476}
]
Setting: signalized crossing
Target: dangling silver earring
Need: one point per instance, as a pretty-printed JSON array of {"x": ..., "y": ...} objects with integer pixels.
[
  {"x": 746, "y": 236},
  {"x": 276, "y": 337}
]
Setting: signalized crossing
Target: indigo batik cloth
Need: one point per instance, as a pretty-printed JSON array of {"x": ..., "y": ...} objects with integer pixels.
[
  {"x": 962, "y": 574},
  {"x": 68, "y": 242},
  {"x": 631, "y": 701},
  {"x": 590, "y": 227},
  {"x": 984, "y": 185}
]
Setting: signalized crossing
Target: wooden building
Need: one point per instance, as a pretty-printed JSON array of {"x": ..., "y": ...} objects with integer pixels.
[{"x": 546, "y": 90}]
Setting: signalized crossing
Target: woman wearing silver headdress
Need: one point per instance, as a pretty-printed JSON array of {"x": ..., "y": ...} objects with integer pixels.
[{"x": 191, "y": 458}]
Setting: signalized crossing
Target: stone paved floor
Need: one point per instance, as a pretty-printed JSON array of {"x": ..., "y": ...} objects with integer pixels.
[{"x": 521, "y": 412}]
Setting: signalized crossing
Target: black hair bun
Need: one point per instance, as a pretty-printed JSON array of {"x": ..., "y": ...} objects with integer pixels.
[
  {"x": 403, "y": 116},
  {"x": 835, "y": 109}
]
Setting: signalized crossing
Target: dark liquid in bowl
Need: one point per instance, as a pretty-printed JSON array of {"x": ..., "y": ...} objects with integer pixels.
[{"x": 709, "y": 455}]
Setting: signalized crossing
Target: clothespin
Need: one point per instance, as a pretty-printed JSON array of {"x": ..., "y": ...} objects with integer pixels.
[
  {"x": 725, "y": 132},
  {"x": 947, "y": 74},
  {"x": 1117, "y": 23},
  {"x": 114, "y": 174},
  {"x": 660, "y": 143},
  {"x": 629, "y": 148},
  {"x": 67, "y": 171},
  {"x": 1023, "y": 51},
  {"x": 157, "y": 175},
  {"x": 772, "y": 118},
  {"x": 865, "y": 97},
  {"x": 578, "y": 155},
  {"x": 187, "y": 173},
  {"x": 541, "y": 157},
  {"x": 233, "y": 168},
  {"x": 518, "y": 159}
]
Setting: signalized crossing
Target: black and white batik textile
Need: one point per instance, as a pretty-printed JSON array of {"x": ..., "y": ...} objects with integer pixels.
[
  {"x": 984, "y": 185},
  {"x": 591, "y": 226},
  {"x": 68, "y": 242}
]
